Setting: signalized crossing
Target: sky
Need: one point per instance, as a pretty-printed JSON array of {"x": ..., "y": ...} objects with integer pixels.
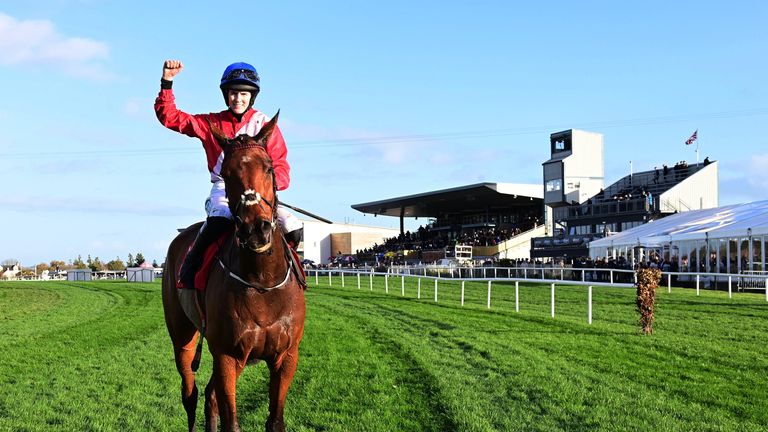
[{"x": 377, "y": 99}]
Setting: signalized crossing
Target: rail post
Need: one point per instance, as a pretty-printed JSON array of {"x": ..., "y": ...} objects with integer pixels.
[
  {"x": 553, "y": 300},
  {"x": 589, "y": 307},
  {"x": 730, "y": 293},
  {"x": 370, "y": 279},
  {"x": 330, "y": 281},
  {"x": 317, "y": 276},
  {"x": 517, "y": 296},
  {"x": 669, "y": 283},
  {"x": 489, "y": 295},
  {"x": 418, "y": 289},
  {"x": 462, "y": 293},
  {"x": 342, "y": 278},
  {"x": 697, "y": 284},
  {"x": 358, "y": 280},
  {"x": 402, "y": 285},
  {"x": 435, "y": 290},
  {"x": 386, "y": 283}
]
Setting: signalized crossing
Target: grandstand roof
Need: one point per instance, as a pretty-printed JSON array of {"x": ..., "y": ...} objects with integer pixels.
[
  {"x": 720, "y": 222},
  {"x": 463, "y": 199}
]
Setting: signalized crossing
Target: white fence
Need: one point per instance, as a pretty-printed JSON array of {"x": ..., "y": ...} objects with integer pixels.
[{"x": 554, "y": 275}]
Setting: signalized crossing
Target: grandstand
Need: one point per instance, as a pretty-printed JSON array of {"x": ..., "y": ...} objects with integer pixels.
[
  {"x": 554, "y": 220},
  {"x": 496, "y": 219},
  {"x": 631, "y": 201}
]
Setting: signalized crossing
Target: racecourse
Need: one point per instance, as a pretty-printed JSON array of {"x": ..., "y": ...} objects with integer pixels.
[{"x": 95, "y": 356}]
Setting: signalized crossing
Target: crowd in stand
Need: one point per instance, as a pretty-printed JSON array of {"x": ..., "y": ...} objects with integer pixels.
[{"x": 426, "y": 238}]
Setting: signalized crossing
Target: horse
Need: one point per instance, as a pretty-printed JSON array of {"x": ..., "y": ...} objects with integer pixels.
[{"x": 253, "y": 304}]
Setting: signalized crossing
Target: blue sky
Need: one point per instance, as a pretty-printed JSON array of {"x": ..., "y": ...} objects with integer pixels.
[{"x": 377, "y": 100}]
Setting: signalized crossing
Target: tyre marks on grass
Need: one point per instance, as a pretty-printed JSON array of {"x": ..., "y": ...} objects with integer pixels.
[
  {"x": 419, "y": 397},
  {"x": 582, "y": 377},
  {"x": 101, "y": 342}
]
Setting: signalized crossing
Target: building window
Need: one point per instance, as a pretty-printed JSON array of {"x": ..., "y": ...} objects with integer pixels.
[{"x": 554, "y": 185}]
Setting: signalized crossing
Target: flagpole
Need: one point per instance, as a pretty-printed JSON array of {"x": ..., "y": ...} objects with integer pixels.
[{"x": 697, "y": 147}]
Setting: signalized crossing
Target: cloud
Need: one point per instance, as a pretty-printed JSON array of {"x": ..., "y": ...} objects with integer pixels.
[
  {"x": 744, "y": 180},
  {"x": 54, "y": 205},
  {"x": 758, "y": 171},
  {"x": 29, "y": 42},
  {"x": 135, "y": 106}
]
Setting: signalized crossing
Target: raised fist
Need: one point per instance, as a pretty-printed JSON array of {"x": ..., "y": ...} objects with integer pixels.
[{"x": 171, "y": 68}]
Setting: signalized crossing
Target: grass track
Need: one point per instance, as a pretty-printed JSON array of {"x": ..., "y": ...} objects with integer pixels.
[{"x": 95, "y": 356}]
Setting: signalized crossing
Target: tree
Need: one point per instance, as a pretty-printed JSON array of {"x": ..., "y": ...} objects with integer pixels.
[
  {"x": 139, "y": 259},
  {"x": 116, "y": 264},
  {"x": 154, "y": 263},
  {"x": 57, "y": 265},
  {"x": 130, "y": 262},
  {"x": 42, "y": 267},
  {"x": 9, "y": 262},
  {"x": 96, "y": 265},
  {"x": 78, "y": 263}
]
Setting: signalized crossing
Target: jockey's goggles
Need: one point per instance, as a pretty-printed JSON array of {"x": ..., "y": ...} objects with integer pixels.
[{"x": 240, "y": 73}]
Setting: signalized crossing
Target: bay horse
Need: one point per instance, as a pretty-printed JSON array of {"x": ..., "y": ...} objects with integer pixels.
[{"x": 253, "y": 304}]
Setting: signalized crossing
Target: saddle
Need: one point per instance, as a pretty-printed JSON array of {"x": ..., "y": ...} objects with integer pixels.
[{"x": 209, "y": 260}]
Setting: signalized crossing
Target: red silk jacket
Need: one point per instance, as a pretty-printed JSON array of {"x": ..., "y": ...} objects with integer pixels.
[{"x": 196, "y": 126}]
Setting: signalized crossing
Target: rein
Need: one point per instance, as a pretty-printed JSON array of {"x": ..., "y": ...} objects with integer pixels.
[
  {"x": 249, "y": 198},
  {"x": 259, "y": 289}
]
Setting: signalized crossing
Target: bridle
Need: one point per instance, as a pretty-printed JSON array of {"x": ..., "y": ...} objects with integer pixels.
[{"x": 250, "y": 198}]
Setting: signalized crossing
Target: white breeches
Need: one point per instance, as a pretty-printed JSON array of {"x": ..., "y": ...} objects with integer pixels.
[{"x": 217, "y": 205}]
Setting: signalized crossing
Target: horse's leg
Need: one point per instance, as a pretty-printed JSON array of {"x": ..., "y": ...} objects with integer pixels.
[
  {"x": 184, "y": 355},
  {"x": 226, "y": 370},
  {"x": 280, "y": 378},
  {"x": 211, "y": 410}
]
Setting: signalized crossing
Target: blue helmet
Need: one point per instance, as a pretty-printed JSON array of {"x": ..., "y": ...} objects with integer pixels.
[{"x": 240, "y": 76}]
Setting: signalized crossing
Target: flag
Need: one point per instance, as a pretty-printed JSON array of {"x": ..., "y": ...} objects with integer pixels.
[{"x": 693, "y": 137}]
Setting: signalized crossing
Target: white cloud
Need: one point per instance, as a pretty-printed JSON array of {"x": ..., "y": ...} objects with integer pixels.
[
  {"x": 757, "y": 173},
  {"x": 100, "y": 205},
  {"x": 25, "y": 42},
  {"x": 135, "y": 106},
  {"x": 744, "y": 180}
]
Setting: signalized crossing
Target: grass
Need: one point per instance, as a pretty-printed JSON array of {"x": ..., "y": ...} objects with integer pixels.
[{"x": 95, "y": 356}]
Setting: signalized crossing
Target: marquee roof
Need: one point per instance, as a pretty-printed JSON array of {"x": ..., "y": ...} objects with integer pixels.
[{"x": 738, "y": 220}]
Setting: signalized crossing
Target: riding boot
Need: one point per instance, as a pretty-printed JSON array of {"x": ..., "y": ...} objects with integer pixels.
[
  {"x": 294, "y": 237},
  {"x": 211, "y": 230}
]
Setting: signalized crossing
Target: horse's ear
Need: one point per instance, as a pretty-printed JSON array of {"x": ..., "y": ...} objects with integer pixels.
[
  {"x": 266, "y": 130},
  {"x": 217, "y": 133}
]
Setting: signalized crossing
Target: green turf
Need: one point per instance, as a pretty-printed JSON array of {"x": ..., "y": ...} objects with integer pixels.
[{"x": 95, "y": 356}]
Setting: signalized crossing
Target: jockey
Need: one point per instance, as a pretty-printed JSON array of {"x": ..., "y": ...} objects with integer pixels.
[{"x": 239, "y": 86}]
